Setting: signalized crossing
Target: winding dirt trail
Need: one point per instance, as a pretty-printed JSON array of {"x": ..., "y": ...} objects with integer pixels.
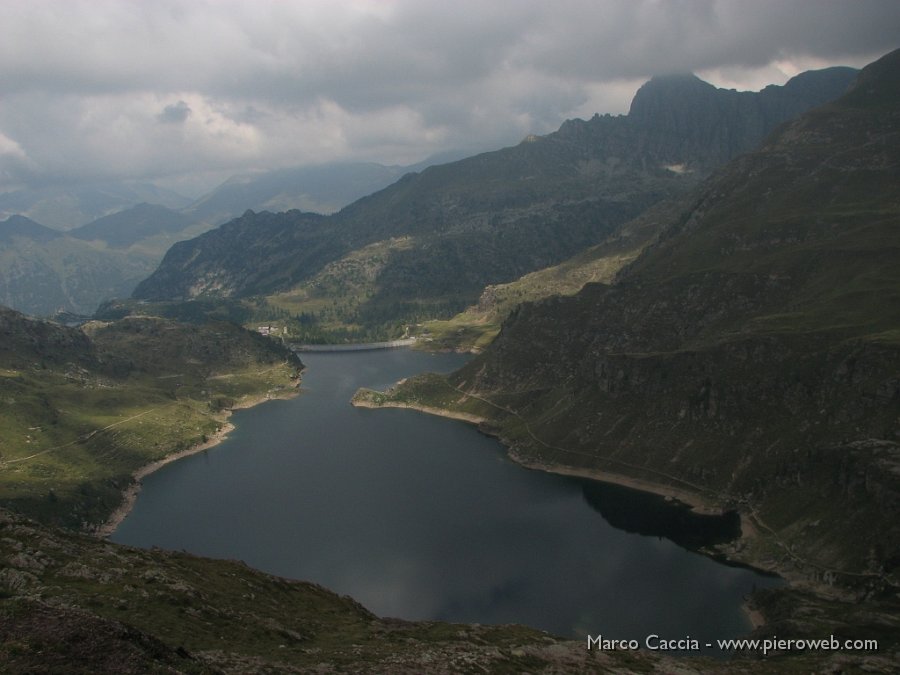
[{"x": 83, "y": 438}]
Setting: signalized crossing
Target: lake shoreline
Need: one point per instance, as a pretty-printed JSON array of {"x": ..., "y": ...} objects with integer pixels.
[
  {"x": 130, "y": 493},
  {"x": 694, "y": 501},
  {"x": 437, "y": 412}
]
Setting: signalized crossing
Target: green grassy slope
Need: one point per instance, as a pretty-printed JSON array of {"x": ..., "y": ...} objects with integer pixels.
[
  {"x": 475, "y": 327},
  {"x": 83, "y": 409}
]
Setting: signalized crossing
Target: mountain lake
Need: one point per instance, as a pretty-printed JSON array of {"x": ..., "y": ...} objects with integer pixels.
[{"x": 421, "y": 517}]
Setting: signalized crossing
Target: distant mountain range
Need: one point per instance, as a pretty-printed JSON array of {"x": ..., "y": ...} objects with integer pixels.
[
  {"x": 67, "y": 207},
  {"x": 124, "y": 230},
  {"x": 461, "y": 225},
  {"x": 43, "y": 271},
  {"x": 128, "y": 227},
  {"x": 427, "y": 245},
  {"x": 319, "y": 189}
]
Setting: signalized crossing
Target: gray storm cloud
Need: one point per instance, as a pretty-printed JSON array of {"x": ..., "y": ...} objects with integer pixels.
[
  {"x": 176, "y": 113},
  {"x": 161, "y": 88}
]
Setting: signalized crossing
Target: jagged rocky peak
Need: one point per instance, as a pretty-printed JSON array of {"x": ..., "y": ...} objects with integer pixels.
[
  {"x": 684, "y": 94},
  {"x": 683, "y": 117}
]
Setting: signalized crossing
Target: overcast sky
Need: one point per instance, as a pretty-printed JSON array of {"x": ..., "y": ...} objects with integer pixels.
[{"x": 188, "y": 92}]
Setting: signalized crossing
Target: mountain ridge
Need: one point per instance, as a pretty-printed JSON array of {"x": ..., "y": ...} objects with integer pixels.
[
  {"x": 125, "y": 228},
  {"x": 486, "y": 219},
  {"x": 129, "y": 235},
  {"x": 66, "y": 207},
  {"x": 26, "y": 228},
  {"x": 43, "y": 270}
]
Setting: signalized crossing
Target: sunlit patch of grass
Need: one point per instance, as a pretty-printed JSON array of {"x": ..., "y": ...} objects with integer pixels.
[
  {"x": 476, "y": 327},
  {"x": 458, "y": 333},
  {"x": 71, "y": 436},
  {"x": 334, "y": 296}
]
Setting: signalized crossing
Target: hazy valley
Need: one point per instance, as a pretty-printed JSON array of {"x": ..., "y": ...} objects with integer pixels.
[{"x": 69, "y": 250}]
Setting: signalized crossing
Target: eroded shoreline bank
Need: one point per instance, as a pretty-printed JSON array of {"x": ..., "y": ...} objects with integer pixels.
[{"x": 130, "y": 493}]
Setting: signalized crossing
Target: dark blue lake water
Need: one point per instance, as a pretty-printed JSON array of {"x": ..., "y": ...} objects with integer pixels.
[{"x": 420, "y": 517}]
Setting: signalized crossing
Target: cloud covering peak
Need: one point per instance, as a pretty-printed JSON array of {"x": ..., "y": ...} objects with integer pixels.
[{"x": 160, "y": 89}]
